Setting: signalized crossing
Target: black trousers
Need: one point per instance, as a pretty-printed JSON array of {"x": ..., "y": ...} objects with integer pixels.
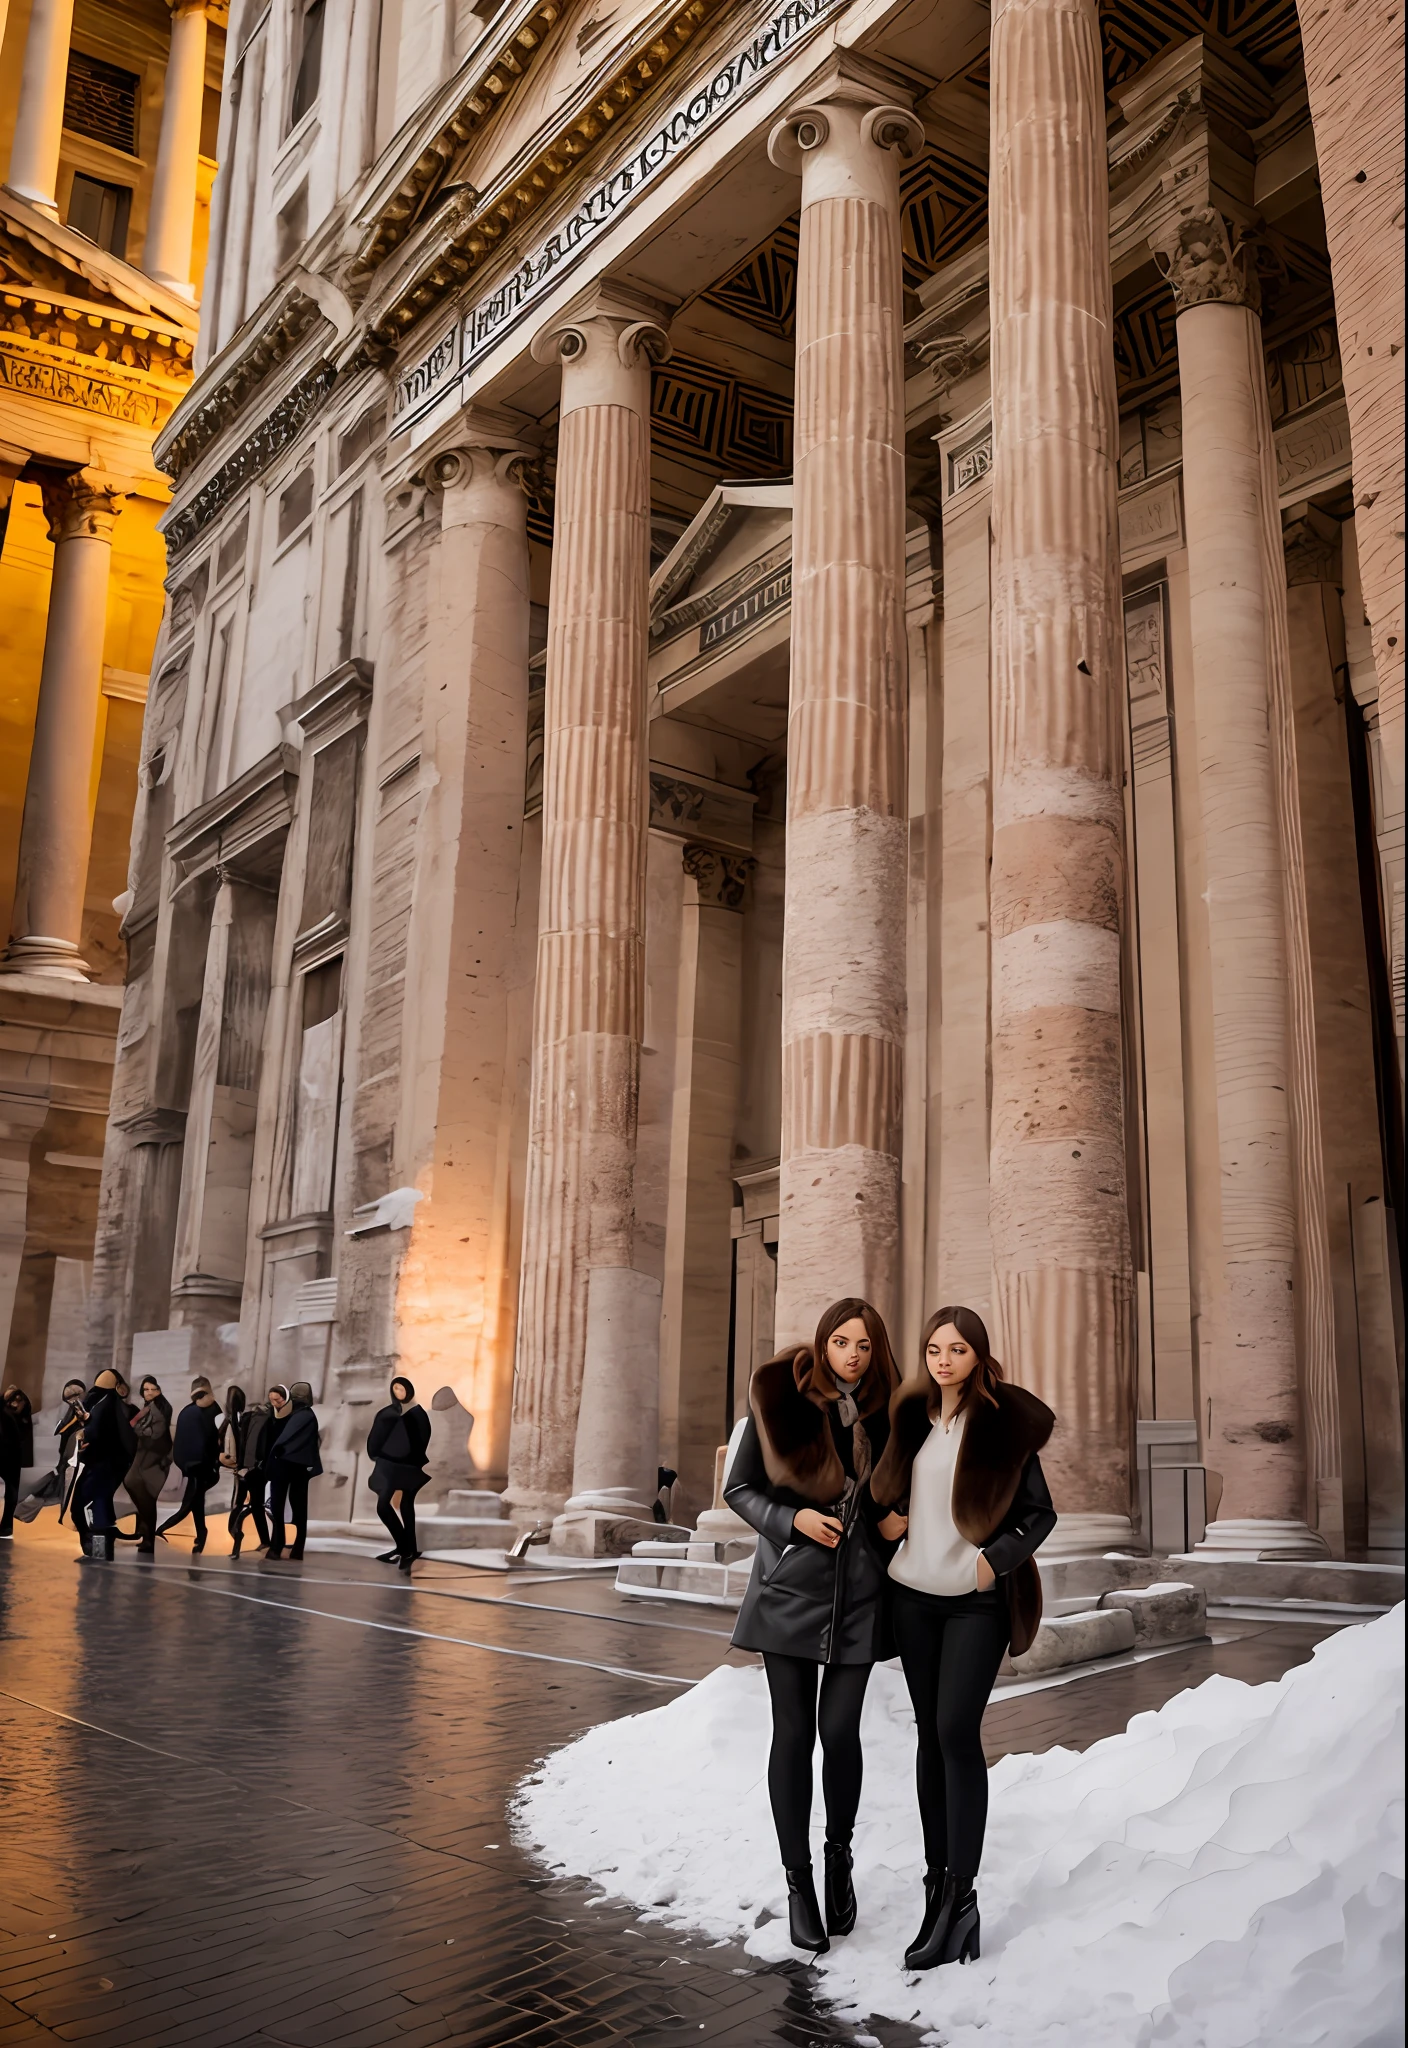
[
  {"x": 94, "y": 1511},
  {"x": 249, "y": 1500},
  {"x": 288, "y": 1493},
  {"x": 794, "y": 1684},
  {"x": 950, "y": 1649},
  {"x": 192, "y": 1503},
  {"x": 12, "y": 1486},
  {"x": 401, "y": 1528}
]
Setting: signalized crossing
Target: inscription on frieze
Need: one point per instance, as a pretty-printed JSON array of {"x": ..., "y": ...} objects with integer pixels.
[
  {"x": 114, "y": 401},
  {"x": 753, "y": 605},
  {"x": 430, "y": 372},
  {"x": 969, "y": 464},
  {"x": 496, "y": 314}
]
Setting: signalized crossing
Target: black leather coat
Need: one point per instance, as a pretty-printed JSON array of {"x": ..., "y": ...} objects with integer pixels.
[{"x": 804, "y": 1600}]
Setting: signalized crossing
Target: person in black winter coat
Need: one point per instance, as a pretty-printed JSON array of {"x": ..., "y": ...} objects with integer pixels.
[
  {"x": 291, "y": 1463},
  {"x": 196, "y": 1456},
  {"x": 146, "y": 1475},
  {"x": 16, "y": 1449},
  {"x": 815, "y": 1604},
  {"x": 246, "y": 1436},
  {"x": 106, "y": 1447},
  {"x": 961, "y": 1471},
  {"x": 397, "y": 1444}
]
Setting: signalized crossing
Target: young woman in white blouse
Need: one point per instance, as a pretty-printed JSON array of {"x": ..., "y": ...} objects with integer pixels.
[{"x": 961, "y": 1468}]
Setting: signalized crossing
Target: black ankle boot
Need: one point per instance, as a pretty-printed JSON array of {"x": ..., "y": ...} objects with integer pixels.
[
  {"x": 934, "y": 1876},
  {"x": 803, "y": 1912},
  {"x": 954, "y": 1935},
  {"x": 840, "y": 1889}
]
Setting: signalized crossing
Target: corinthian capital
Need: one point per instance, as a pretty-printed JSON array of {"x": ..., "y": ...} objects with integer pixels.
[
  {"x": 721, "y": 878},
  {"x": 1208, "y": 261},
  {"x": 77, "y": 507}
]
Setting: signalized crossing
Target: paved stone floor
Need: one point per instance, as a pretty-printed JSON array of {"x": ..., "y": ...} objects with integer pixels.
[{"x": 265, "y": 1804}]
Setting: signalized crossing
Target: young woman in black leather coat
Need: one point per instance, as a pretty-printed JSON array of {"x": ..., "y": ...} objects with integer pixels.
[
  {"x": 818, "y": 1422},
  {"x": 962, "y": 1474}
]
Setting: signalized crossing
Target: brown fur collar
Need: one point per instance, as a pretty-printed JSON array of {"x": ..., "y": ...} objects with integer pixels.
[
  {"x": 997, "y": 1443},
  {"x": 795, "y": 1431}
]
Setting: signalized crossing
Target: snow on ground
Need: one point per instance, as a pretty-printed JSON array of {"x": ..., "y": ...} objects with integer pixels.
[{"x": 1227, "y": 1873}]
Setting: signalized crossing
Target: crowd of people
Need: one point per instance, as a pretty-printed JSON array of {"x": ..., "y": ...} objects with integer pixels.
[{"x": 109, "y": 1442}]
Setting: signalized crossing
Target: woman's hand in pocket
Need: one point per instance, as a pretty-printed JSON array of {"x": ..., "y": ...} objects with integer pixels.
[{"x": 817, "y": 1528}]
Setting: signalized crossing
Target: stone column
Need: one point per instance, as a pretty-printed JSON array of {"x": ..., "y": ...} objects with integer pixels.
[
  {"x": 586, "y": 1382},
  {"x": 47, "y": 922},
  {"x": 1060, "y": 1225},
  {"x": 34, "y": 153},
  {"x": 455, "y": 1310},
  {"x": 843, "y": 985},
  {"x": 1256, "y": 1438},
  {"x": 171, "y": 220}
]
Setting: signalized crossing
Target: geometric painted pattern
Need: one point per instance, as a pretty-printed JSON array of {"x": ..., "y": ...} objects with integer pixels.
[
  {"x": 1134, "y": 32},
  {"x": 762, "y": 290},
  {"x": 1146, "y": 353},
  {"x": 711, "y": 417}
]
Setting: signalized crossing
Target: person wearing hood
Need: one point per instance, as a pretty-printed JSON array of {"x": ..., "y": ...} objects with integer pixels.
[
  {"x": 293, "y": 1462},
  {"x": 106, "y": 1447},
  {"x": 16, "y": 1449},
  {"x": 196, "y": 1454},
  {"x": 397, "y": 1444},
  {"x": 246, "y": 1438},
  {"x": 815, "y": 1604},
  {"x": 146, "y": 1475}
]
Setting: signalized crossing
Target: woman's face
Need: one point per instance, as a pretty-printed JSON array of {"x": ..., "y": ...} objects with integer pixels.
[
  {"x": 948, "y": 1357},
  {"x": 400, "y": 1392},
  {"x": 150, "y": 1390},
  {"x": 848, "y": 1351}
]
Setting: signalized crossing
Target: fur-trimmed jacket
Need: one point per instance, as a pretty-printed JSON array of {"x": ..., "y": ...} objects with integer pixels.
[
  {"x": 1000, "y": 1499},
  {"x": 804, "y": 1600}
]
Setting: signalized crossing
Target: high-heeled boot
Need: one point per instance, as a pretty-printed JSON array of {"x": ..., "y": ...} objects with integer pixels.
[
  {"x": 954, "y": 1936},
  {"x": 934, "y": 1876},
  {"x": 840, "y": 1888},
  {"x": 803, "y": 1912}
]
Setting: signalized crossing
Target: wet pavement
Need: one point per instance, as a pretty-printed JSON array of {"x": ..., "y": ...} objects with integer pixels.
[{"x": 265, "y": 1804}]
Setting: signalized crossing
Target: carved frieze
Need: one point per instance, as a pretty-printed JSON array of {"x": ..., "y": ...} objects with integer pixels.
[
  {"x": 1312, "y": 450},
  {"x": 77, "y": 383},
  {"x": 969, "y": 462},
  {"x": 720, "y": 878},
  {"x": 289, "y": 323},
  {"x": 269, "y": 439},
  {"x": 674, "y": 803},
  {"x": 1150, "y": 520}
]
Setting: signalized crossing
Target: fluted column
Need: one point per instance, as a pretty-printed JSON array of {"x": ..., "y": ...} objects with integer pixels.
[
  {"x": 171, "y": 220},
  {"x": 1262, "y": 1023},
  {"x": 47, "y": 922},
  {"x": 843, "y": 966},
  {"x": 585, "y": 1390},
  {"x": 1060, "y": 1227},
  {"x": 34, "y": 152}
]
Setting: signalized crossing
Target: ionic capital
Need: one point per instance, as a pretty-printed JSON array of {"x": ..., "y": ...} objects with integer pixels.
[
  {"x": 1208, "y": 261},
  {"x": 846, "y": 138},
  {"x": 606, "y": 345},
  {"x": 720, "y": 878},
  {"x": 77, "y": 507}
]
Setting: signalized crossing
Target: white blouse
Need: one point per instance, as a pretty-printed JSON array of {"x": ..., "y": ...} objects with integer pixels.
[{"x": 933, "y": 1557}]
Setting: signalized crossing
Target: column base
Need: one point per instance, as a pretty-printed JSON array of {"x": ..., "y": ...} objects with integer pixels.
[
  {"x": 1087, "y": 1535},
  {"x": 588, "y": 1528},
  {"x": 58, "y": 958},
  {"x": 1250, "y": 1540}
]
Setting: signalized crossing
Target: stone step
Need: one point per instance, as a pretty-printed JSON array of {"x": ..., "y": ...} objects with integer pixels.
[
  {"x": 479, "y": 1506},
  {"x": 703, "y": 1585}
]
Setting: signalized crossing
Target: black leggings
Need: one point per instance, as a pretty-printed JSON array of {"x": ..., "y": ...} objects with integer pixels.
[
  {"x": 192, "y": 1503},
  {"x": 249, "y": 1500},
  {"x": 288, "y": 1488},
  {"x": 951, "y": 1650},
  {"x": 401, "y": 1528},
  {"x": 792, "y": 1684}
]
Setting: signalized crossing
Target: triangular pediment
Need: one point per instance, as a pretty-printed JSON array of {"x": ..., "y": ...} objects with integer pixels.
[{"x": 741, "y": 531}]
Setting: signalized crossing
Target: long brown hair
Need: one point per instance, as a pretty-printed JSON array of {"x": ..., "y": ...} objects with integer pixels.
[
  {"x": 814, "y": 1375},
  {"x": 986, "y": 1374}
]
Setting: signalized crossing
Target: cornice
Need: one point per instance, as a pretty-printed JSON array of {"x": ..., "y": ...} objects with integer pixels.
[
  {"x": 470, "y": 237},
  {"x": 221, "y": 393}
]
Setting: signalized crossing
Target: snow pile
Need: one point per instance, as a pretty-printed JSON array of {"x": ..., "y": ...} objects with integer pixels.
[{"x": 1226, "y": 1873}]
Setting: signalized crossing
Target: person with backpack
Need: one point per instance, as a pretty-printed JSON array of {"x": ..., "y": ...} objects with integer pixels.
[
  {"x": 197, "y": 1458},
  {"x": 106, "y": 1449},
  {"x": 292, "y": 1463},
  {"x": 397, "y": 1444}
]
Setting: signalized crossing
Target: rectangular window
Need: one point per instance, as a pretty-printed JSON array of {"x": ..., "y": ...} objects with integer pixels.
[
  {"x": 100, "y": 212},
  {"x": 295, "y": 505},
  {"x": 308, "y": 76},
  {"x": 100, "y": 101}
]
